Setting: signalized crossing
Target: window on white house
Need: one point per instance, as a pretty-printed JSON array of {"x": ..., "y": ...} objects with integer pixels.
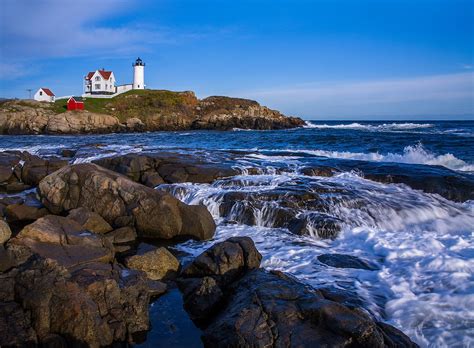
[
  {"x": 41, "y": 93},
  {"x": 97, "y": 78},
  {"x": 97, "y": 86}
]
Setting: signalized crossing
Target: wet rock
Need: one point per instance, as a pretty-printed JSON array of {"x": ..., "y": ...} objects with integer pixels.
[
  {"x": 225, "y": 261},
  {"x": 202, "y": 280},
  {"x": 157, "y": 264},
  {"x": 315, "y": 224},
  {"x": 89, "y": 220},
  {"x": 257, "y": 308},
  {"x": 153, "y": 169},
  {"x": 318, "y": 171},
  {"x": 119, "y": 200},
  {"x": 68, "y": 153},
  {"x": 65, "y": 241},
  {"x": 346, "y": 261},
  {"x": 201, "y": 296},
  {"x": 272, "y": 309},
  {"x": 93, "y": 305},
  {"x": 448, "y": 183},
  {"x": 5, "y": 232}
]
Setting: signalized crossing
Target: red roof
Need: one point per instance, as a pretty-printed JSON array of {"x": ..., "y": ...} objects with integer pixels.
[
  {"x": 105, "y": 74},
  {"x": 48, "y": 92}
]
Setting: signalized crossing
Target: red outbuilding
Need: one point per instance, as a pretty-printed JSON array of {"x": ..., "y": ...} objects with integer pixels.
[{"x": 75, "y": 103}]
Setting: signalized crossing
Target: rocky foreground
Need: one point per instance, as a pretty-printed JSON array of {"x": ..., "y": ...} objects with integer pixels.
[
  {"x": 148, "y": 111},
  {"x": 72, "y": 274}
]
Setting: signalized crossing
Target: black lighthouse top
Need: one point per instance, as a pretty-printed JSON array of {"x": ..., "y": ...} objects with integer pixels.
[{"x": 138, "y": 62}]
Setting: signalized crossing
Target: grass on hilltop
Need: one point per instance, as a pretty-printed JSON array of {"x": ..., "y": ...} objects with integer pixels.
[{"x": 137, "y": 103}]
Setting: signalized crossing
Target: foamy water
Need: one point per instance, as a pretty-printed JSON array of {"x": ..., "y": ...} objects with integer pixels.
[
  {"x": 423, "y": 245},
  {"x": 369, "y": 127}
]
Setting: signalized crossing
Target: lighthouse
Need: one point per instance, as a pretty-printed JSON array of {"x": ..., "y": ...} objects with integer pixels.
[{"x": 138, "y": 74}]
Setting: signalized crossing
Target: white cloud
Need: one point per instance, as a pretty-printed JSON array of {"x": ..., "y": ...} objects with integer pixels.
[
  {"x": 451, "y": 93},
  {"x": 62, "y": 28}
]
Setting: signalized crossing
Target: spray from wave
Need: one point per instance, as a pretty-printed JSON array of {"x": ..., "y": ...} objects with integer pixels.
[
  {"x": 415, "y": 154},
  {"x": 369, "y": 127}
]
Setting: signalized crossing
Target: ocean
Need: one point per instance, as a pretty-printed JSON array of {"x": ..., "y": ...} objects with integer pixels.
[{"x": 420, "y": 245}]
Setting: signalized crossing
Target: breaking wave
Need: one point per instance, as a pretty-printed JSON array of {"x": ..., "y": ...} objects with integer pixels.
[
  {"x": 415, "y": 154},
  {"x": 370, "y": 127}
]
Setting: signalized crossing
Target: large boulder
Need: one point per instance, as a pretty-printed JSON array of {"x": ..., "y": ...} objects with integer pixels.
[
  {"x": 65, "y": 241},
  {"x": 271, "y": 309},
  {"x": 157, "y": 264},
  {"x": 93, "y": 305},
  {"x": 123, "y": 202},
  {"x": 239, "y": 305},
  {"x": 225, "y": 261},
  {"x": 204, "y": 280},
  {"x": 152, "y": 169}
]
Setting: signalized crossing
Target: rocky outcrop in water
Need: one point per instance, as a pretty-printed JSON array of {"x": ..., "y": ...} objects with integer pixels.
[
  {"x": 22, "y": 170},
  {"x": 153, "y": 169},
  {"x": 148, "y": 111},
  {"x": 123, "y": 202},
  {"x": 239, "y": 305},
  {"x": 448, "y": 183}
]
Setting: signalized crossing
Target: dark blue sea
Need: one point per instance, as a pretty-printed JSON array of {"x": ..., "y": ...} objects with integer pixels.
[{"x": 422, "y": 244}]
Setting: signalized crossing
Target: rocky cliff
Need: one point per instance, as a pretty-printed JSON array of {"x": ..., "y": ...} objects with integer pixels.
[{"x": 136, "y": 111}]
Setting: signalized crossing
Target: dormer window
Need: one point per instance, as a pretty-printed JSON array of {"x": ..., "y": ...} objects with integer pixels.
[
  {"x": 97, "y": 78},
  {"x": 41, "y": 92}
]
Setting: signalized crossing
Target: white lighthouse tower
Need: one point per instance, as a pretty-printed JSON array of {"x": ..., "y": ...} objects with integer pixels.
[{"x": 138, "y": 74}]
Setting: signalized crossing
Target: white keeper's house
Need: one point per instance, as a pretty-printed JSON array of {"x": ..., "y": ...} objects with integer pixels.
[
  {"x": 44, "y": 94},
  {"x": 101, "y": 83}
]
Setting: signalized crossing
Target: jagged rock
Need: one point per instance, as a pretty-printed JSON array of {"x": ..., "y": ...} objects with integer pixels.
[
  {"x": 157, "y": 264},
  {"x": 271, "y": 309},
  {"x": 202, "y": 280},
  {"x": 93, "y": 305},
  {"x": 89, "y": 220},
  {"x": 5, "y": 232},
  {"x": 122, "y": 202},
  {"x": 225, "y": 113},
  {"x": 346, "y": 261},
  {"x": 153, "y": 169},
  {"x": 257, "y": 308},
  {"x": 64, "y": 240},
  {"x": 225, "y": 261}
]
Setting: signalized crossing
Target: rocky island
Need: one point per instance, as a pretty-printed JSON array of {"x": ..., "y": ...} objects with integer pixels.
[{"x": 140, "y": 111}]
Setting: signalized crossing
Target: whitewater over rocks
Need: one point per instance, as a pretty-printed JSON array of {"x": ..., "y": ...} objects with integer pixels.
[{"x": 265, "y": 245}]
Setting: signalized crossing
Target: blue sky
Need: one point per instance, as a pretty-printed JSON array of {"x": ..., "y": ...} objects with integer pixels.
[{"x": 326, "y": 59}]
